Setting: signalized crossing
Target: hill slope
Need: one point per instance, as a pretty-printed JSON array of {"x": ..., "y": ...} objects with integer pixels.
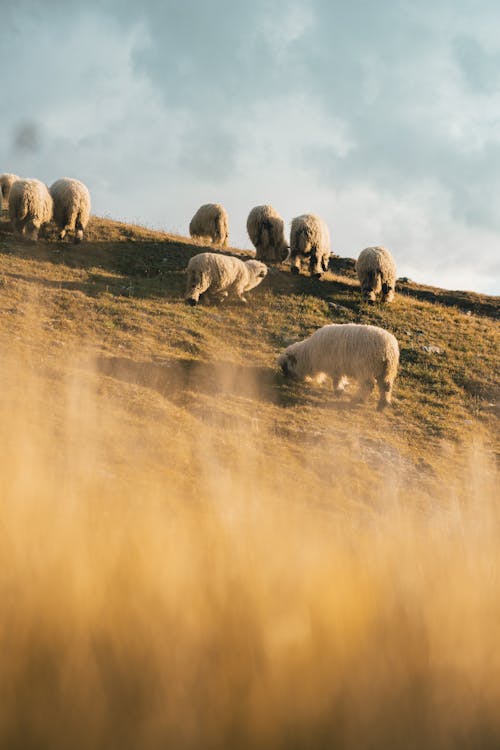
[
  {"x": 120, "y": 295},
  {"x": 196, "y": 554}
]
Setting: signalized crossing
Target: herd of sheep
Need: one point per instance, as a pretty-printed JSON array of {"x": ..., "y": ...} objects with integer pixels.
[
  {"x": 32, "y": 204},
  {"x": 365, "y": 353}
]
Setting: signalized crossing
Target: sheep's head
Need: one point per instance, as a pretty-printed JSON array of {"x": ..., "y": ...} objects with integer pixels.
[
  {"x": 287, "y": 361},
  {"x": 369, "y": 294},
  {"x": 284, "y": 251},
  {"x": 387, "y": 293},
  {"x": 256, "y": 271}
]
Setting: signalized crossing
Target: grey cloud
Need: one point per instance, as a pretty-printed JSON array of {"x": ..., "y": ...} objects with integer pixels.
[
  {"x": 27, "y": 137},
  {"x": 480, "y": 70},
  {"x": 208, "y": 153}
]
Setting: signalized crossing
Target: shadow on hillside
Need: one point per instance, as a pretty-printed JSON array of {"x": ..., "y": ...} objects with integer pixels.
[
  {"x": 466, "y": 301},
  {"x": 96, "y": 284},
  {"x": 155, "y": 267},
  {"x": 175, "y": 379},
  {"x": 145, "y": 269}
]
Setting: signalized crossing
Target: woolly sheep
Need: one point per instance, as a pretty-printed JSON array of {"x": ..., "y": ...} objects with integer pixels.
[
  {"x": 376, "y": 273},
  {"x": 266, "y": 230},
  {"x": 341, "y": 351},
  {"x": 6, "y": 182},
  {"x": 220, "y": 275},
  {"x": 71, "y": 206},
  {"x": 30, "y": 206},
  {"x": 211, "y": 221},
  {"x": 309, "y": 238}
]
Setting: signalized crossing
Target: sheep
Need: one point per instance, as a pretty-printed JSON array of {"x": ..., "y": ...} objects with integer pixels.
[
  {"x": 71, "y": 206},
  {"x": 211, "y": 221},
  {"x": 309, "y": 238},
  {"x": 30, "y": 206},
  {"x": 376, "y": 273},
  {"x": 220, "y": 275},
  {"x": 6, "y": 182},
  {"x": 341, "y": 351},
  {"x": 266, "y": 230}
]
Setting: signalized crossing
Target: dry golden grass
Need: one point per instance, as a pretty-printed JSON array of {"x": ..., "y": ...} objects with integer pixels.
[{"x": 194, "y": 554}]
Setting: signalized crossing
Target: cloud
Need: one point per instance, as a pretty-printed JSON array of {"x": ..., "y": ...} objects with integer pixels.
[{"x": 382, "y": 117}]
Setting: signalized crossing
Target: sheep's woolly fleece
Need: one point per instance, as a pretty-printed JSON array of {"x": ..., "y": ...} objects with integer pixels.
[
  {"x": 30, "y": 206},
  {"x": 266, "y": 230},
  {"x": 341, "y": 351},
  {"x": 376, "y": 273},
  {"x": 221, "y": 275},
  {"x": 309, "y": 240},
  {"x": 71, "y": 206},
  {"x": 211, "y": 220},
  {"x": 6, "y": 182}
]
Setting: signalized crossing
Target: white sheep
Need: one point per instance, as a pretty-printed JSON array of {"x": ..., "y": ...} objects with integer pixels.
[
  {"x": 376, "y": 273},
  {"x": 6, "y": 182},
  {"x": 309, "y": 239},
  {"x": 211, "y": 221},
  {"x": 30, "y": 206},
  {"x": 71, "y": 206},
  {"x": 342, "y": 351},
  {"x": 220, "y": 275},
  {"x": 266, "y": 230}
]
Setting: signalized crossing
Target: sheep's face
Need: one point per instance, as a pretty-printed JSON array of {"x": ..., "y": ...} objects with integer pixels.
[
  {"x": 288, "y": 363},
  {"x": 387, "y": 293},
  {"x": 369, "y": 294},
  {"x": 257, "y": 271},
  {"x": 284, "y": 251}
]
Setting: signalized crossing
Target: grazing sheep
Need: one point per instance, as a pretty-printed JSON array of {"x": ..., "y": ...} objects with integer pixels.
[
  {"x": 71, "y": 206},
  {"x": 365, "y": 353},
  {"x": 266, "y": 230},
  {"x": 376, "y": 273},
  {"x": 30, "y": 206},
  {"x": 309, "y": 238},
  {"x": 211, "y": 221},
  {"x": 6, "y": 182},
  {"x": 220, "y": 275}
]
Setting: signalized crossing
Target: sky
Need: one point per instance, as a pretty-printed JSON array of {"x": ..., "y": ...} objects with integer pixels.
[{"x": 381, "y": 117}]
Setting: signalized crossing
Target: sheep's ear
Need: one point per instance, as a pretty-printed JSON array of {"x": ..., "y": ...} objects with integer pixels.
[{"x": 292, "y": 358}]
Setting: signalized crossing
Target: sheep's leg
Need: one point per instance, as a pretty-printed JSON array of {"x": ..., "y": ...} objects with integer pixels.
[
  {"x": 239, "y": 290},
  {"x": 18, "y": 227},
  {"x": 32, "y": 230},
  {"x": 314, "y": 264},
  {"x": 385, "y": 390},
  {"x": 339, "y": 383},
  {"x": 365, "y": 388},
  {"x": 78, "y": 231},
  {"x": 66, "y": 224},
  {"x": 295, "y": 263}
]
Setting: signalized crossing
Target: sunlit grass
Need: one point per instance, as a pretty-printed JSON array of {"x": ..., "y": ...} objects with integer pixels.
[{"x": 195, "y": 554}]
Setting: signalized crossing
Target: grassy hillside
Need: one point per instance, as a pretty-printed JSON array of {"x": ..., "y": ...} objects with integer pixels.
[
  {"x": 119, "y": 295},
  {"x": 197, "y": 554}
]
